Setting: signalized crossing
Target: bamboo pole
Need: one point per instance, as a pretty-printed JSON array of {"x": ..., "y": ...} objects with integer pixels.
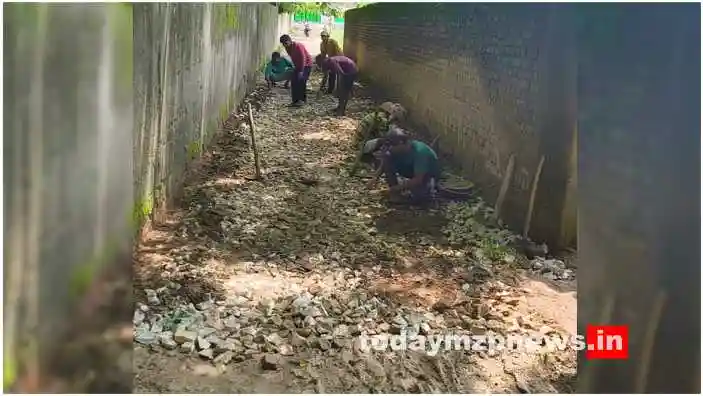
[
  {"x": 533, "y": 193},
  {"x": 257, "y": 167},
  {"x": 504, "y": 186}
]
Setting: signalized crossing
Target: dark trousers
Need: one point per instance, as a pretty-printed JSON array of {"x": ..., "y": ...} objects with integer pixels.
[
  {"x": 346, "y": 84},
  {"x": 299, "y": 86},
  {"x": 420, "y": 194},
  {"x": 331, "y": 81}
]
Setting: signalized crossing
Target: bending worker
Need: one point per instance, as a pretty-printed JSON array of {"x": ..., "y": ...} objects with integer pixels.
[
  {"x": 346, "y": 71},
  {"x": 329, "y": 47}
]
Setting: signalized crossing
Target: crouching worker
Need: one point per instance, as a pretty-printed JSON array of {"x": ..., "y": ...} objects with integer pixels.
[
  {"x": 413, "y": 160},
  {"x": 346, "y": 72},
  {"x": 278, "y": 69},
  {"x": 373, "y": 126}
]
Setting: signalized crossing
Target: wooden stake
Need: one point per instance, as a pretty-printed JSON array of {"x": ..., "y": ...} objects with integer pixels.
[
  {"x": 257, "y": 167},
  {"x": 434, "y": 142},
  {"x": 533, "y": 193},
  {"x": 504, "y": 186}
]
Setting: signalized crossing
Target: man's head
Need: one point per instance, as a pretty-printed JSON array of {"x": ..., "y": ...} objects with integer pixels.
[
  {"x": 397, "y": 140},
  {"x": 394, "y": 111},
  {"x": 286, "y": 41},
  {"x": 325, "y": 35},
  {"x": 275, "y": 57}
]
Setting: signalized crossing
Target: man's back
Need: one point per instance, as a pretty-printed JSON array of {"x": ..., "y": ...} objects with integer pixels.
[{"x": 420, "y": 159}]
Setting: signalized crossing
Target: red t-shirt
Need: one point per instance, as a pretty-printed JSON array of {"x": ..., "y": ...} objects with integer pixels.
[{"x": 299, "y": 55}]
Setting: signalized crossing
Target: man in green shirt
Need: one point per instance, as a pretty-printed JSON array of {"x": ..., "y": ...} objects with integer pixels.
[
  {"x": 412, "y": 159},
  {"x": 278, "y": 69}
]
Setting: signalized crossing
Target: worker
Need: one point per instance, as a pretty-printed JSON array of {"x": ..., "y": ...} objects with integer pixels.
[
  {"x": 346, "y": 70},
  {"x": 302, "y": 66},
  {"x": 329, "y": 47},
  {"x": 372, "y": 127},
  {"x": 278, "y": 69},
  {"x": 412, "y": 159}
]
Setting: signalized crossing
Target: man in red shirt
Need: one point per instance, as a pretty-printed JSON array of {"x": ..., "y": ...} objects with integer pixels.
[{"x": 302, "y": 66}]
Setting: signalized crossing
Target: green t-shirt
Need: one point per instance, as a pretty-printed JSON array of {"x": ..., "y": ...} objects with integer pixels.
[{"x": 420, "y": 159}]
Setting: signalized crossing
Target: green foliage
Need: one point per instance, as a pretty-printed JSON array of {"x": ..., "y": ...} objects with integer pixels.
[
  {"x": 193, "y": 150},
  {"x": 322, "y": 8},
  {"x": 474, "y": 225}
]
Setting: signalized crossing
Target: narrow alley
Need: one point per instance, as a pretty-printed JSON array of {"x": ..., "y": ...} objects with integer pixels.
[{"x": 267, "y": 285}]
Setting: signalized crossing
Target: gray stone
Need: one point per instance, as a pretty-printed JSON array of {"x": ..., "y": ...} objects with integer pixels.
[
  {"x": 182, "y": 336},
  {"x": 224, "y": 357},
  {"x": 285, "y": 350},
  {"x": 310, "y": 321},
  {"x": 145, "y": 337},
  {"x": 206, "y": 354},
  {"x": 341, "y": 331},
  {"x": 275, "y": 339},
  {"x": 167, "y": 341},
  {"x": 139, "y": 317},
  {"x": 203, "y": 343},
  {"x": 206, "y": 331},
  {"x": 187, "y": 347},
  {"x": 225, "y": 346},
  {"x": 297, "y": 340},
  {"x": 232, "y": 323},
  {"x": 271, "y": 362},
  {"x": 259, "y": 339}
]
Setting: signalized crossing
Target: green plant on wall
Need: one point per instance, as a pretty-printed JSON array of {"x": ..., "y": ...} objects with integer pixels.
[
  {"x": 226, "y": 18},
  {"x": 193, "y": 150}
]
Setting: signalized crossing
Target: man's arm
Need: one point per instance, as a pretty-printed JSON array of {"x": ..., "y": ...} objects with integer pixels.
[
  {"x": 335, "y": 46},
  {"x": 323, "y": 84},
  {"x": 420, "y": 169},
  {"x": 297, "y": 57}
]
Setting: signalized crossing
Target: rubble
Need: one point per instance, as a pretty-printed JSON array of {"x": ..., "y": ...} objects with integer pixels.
[{"x": 316, "y": 251}]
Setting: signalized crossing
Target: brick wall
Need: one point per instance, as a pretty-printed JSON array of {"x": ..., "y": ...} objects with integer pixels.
[{"x": 493, "y": 81}]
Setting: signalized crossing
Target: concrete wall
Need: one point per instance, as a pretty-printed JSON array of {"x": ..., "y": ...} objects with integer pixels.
[
  {"x": 639, "y": 192},
  {"x": 105, "y": 104},
  {"x": 193, "y": 63},
  {"x": 492, "y": 80}
]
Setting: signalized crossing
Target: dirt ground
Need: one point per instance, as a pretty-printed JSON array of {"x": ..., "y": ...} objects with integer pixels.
[{"x": 309, "y": 231}]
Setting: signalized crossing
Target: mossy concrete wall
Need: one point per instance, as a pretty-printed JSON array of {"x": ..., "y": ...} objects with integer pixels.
[
  {"x": 193, "y": 63},
  {"x": 105, "y": 104}
]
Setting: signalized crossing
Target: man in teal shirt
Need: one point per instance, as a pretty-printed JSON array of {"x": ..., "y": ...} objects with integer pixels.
[
  {"x": 414, "y": 160},
  {"x": 278, "y": 69}
]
